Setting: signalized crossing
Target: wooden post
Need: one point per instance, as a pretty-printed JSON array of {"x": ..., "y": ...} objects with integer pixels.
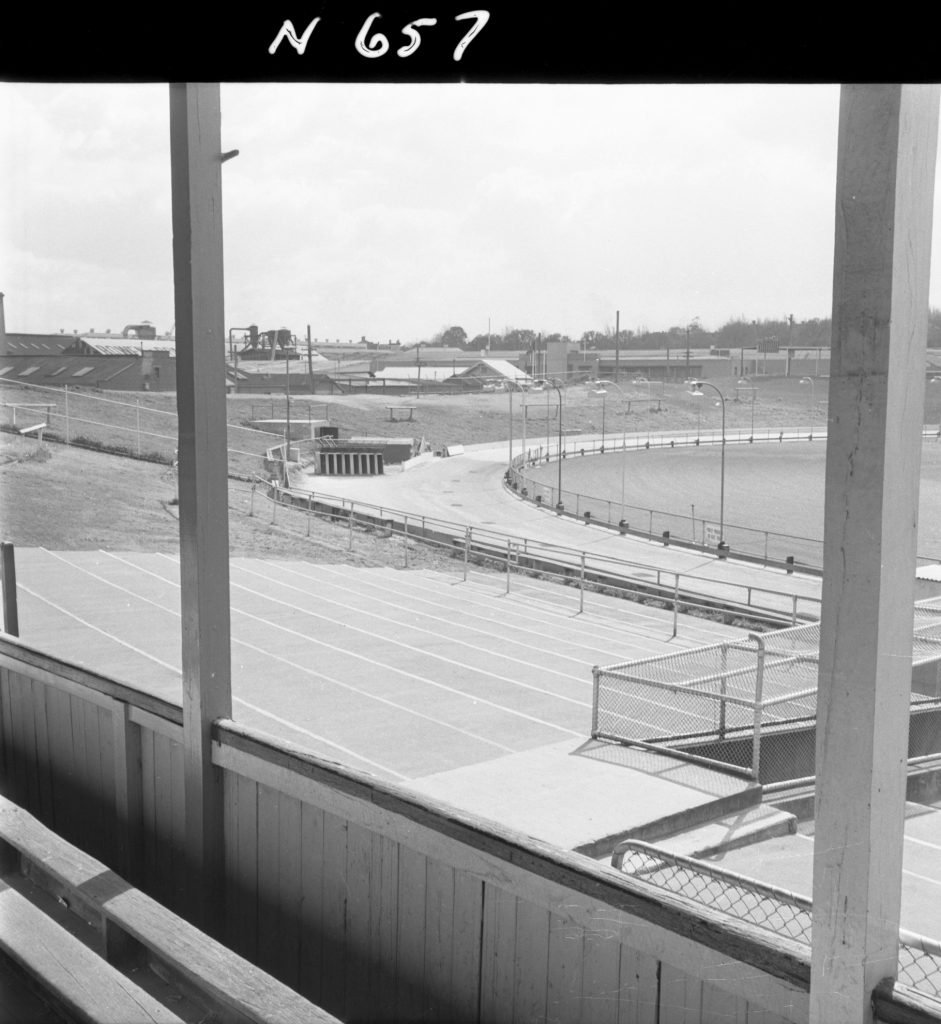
[
  {"x": 885, "y": 176},
  {"x": 128, "y": 792},
  {"x": 11, "y": 621},
  {"x": 196, "y": 181}
]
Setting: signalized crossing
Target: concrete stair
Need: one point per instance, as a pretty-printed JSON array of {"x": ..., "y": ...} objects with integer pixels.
[{"x": 742, "y": 828}]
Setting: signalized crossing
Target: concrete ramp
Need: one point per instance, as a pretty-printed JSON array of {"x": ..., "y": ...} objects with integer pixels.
[{"x": 588, "y": 796}]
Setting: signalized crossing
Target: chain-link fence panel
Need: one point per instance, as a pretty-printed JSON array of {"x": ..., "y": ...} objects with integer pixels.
[{"x": 765, "y": 906}]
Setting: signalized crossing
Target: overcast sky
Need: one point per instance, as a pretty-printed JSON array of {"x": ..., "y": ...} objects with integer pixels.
[{"x": 393, "y": 211}]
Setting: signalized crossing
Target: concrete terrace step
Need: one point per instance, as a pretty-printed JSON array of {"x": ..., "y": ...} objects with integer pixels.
[
  {"x": 563, "y": 601},
  {"x": 742, "y": 828},
  {"x": 608, "y": 630}
]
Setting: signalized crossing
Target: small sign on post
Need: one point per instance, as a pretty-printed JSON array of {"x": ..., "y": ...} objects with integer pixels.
[{"x": 711, "y": 535}]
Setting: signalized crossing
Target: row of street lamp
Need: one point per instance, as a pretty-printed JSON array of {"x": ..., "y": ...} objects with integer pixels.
[{"x": 599, "y": 387}]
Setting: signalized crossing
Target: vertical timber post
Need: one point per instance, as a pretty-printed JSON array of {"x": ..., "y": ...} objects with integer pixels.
[
  {"x": 11, "y": 621},
  {"x": 196, "y": 183},
  {"x": 884, "y": 197}
]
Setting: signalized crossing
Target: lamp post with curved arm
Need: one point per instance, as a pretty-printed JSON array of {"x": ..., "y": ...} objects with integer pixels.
[
  {"x": 696, "y": 387},
  {"x": 813, "y": 402},
  {"x": 552, "y": 384},
  {"x": 600, "y": 385},
  {"x": 510, "y": 386}
]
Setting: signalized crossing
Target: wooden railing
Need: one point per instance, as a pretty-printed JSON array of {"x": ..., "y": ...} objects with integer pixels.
[{"x": 374, "y": 902}]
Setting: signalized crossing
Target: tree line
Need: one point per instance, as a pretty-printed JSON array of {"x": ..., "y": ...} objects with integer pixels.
[{"x": 734, "y": 333}]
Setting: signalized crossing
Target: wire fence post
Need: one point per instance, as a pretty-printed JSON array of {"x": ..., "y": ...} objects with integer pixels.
[
  {"x": 595, "y": 687},
  {"x": 467, "y": 544},
  {"x": 676, "y": 601},
  {"x": 759, "y": 683},
  {"x": 68, "y": 437},
  {"x": 251, "y": 502},
  {"x": 309, "y": 499},
  {"x": 405, "y": 538},
  {"x": 138, "y": 427},
  {"x": 274, "y": 506},
  {"x": 508, "y": 542},
  {"x": 581, "y": 586},
  {"x": 794, "y": 609},
  {"x": 352, "y": 513},
  {"x": 723, "y": 690}
]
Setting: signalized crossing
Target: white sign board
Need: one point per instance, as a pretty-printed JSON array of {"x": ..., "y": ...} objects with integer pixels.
[{"x": 711, "y": 535}]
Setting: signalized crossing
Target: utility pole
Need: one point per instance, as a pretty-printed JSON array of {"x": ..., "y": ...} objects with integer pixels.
[
  {"x": 617, "y": 345},
  {"x": 310, "y": 362}
]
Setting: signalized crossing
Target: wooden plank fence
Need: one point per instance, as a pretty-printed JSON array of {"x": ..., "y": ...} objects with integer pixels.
[{"x": 371, "y": 901}]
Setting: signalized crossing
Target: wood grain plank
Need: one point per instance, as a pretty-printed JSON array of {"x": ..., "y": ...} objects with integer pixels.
[
  {"x": 465, "y": 971},
  {"x": 311, "y": 966},
  {"x": 22, "y": 740},
  {"x": 639, "y": 987},
  {"x": 564, "y": 995},
  {"x": 672, "y": 926},
  {"x": 46, "y": 800},
  {"x": 601, "y": 976},
  {"x": 439, "y": 931},
  {"x": 99, "y": 794},
  {"x": 6, "y": 733},
  {"x": 178, "y": 824},
  {"x": 269, "y": 922},
  {"x": 230, "y": 796},
  {"x": 498, "y": 954},
  {"x": 59, "y": 721},
  {"x": 719, "y": 1005},
  {"x": 289, "y": 888},
  {"x": 335, "y": 951},
  {"x": 362, "y": 888},
  {"x": 248, "y": 868},
  {"x": 80, "y": 828},
  {"x": 163, "y": 818},
  {"x": 148, "y": 809},
  {"x": 531, "y": 981},
  {"x": 384, "y": 923},
  {"x": 680, "y": 996},
  {"x": 410, "y": 1001}
]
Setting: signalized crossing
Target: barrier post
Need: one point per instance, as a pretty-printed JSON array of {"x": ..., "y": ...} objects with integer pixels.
[
  {"x": 676, "y": 601},
  {"x": 251, "y": 502},
  {"x": 309, "y": 498},
  {"x": 405, "y": 538},
  {"x": 11, "y": 623},
  {"x": 595, "y": 687},
  {"x": 138, "y": 427},
  {"x": 68, "y": 436},
  {"x": 467, "y": 544},
  {"x": 581, "y": 586},
  {"x": 350, "y": 520},
  {"x": 508, "y": 542},
  {"x": 759, "y": 682}
]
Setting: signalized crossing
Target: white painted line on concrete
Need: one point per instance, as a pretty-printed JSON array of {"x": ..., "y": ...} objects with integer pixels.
[
  {"x": 388, "y": 668},
  {"x": 177, "y": 671}
]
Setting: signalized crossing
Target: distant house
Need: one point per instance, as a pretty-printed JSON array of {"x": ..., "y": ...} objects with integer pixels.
[{"x": 493, "y": 371}]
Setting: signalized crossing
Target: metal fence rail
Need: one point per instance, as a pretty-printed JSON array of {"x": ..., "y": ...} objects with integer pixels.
[
  {"x": 643, "y": 581},
  {"x": 767, "y": 546},
  {"x": 766, "y": 906},
  {"x": 717, "y": 703}
]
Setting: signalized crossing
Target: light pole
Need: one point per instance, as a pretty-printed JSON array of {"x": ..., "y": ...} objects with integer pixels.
[
  {"x": 644, "y": 380},
  {"x": 813, "y": 402},
  {"x": 600, "y": 386},
  {"x": 753, "y": 394},
  {"x": 552, "y": 384},
  {"x": 511, "y": 386},
  {"x": 696, "y": 389}
]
